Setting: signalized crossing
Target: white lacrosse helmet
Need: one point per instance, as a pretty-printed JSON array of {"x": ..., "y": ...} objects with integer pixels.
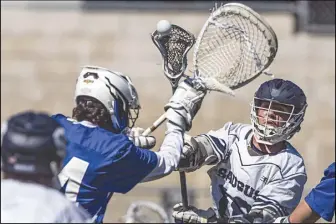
[{"x": 114, "y": 90}]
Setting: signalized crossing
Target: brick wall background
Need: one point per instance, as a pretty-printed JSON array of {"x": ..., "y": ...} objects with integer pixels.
[{"x": 42, "y": 51}]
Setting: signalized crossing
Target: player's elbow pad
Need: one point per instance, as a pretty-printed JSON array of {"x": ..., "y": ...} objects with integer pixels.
[
  {"x": 207, "y": 153},
  {"x": 197, "y": 152}
]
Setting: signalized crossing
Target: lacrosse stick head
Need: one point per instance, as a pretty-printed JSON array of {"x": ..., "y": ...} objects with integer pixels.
[
  {"x": 233, "y": 48},
  {"x": 145, "y": 212},
  {"x": 174, "y": 46}
]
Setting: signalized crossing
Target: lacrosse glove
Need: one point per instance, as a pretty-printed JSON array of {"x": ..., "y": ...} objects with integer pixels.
[
  {"x": 145, "y": 142},
  {"x": 189, "y": 161},
  {"x": 184, "y": 104},
  {"x": 195, "y": 154},
  {"x": 193, "y": 215}
]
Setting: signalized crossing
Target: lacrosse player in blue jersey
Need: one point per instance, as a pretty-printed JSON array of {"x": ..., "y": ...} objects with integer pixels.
[
  {"x": 104, "y": 154},
  {"x": 320, "y": 202}
]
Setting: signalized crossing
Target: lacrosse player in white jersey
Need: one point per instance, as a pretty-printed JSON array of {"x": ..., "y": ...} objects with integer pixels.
[
  {"x": 256, "y": 174},
  {"x": 32, "y": 148}
]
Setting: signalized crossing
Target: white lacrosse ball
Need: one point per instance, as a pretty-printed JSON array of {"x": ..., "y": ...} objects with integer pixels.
[{"x": 163, "y": 26}]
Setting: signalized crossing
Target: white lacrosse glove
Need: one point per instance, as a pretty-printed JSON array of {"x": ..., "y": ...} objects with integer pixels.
[
  {"x": 193, "y": 156},
  {"x": 193, "y": 214},
  {"x": 145, "y": 142},
  {"x": 184, "y": 104},
  {"x": 189, "y": 160}
]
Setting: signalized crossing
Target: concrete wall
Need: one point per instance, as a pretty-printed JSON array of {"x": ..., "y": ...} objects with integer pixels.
[{"x": 42, "y": 51}]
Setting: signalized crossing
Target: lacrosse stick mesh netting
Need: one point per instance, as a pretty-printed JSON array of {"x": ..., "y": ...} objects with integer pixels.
[
  {"x": 176, "y": 45},
  {"x": 235, "y": 47}
]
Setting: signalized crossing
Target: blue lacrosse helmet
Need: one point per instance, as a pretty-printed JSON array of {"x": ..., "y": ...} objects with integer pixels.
[
  {"x": 32, "y": 144},
  {"x": 278, "y": 91}
]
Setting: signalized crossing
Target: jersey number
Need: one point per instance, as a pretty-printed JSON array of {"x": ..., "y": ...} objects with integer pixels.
[
  {"x": 237, "y": 204},
  {"x": 72, "y": 175}
]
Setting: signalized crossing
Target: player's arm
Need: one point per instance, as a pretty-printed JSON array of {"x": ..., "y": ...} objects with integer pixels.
[
  {"x": 303, "y": 214},
  {"x": 205, "y": 149},
  {"x": 320, "y": 202},
  {"x": 143, "y": 165},
  {"x": 322, "y": 198},
  {"x": 180, "y": 111},
  {"x": 168, "y": 155},
  {"x": 277, "y": 199}
]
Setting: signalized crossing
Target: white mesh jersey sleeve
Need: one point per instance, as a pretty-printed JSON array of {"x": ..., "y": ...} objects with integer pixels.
[
  {"x": 33, "y": 203},
  {"x": 168, "y": 156},
  {"x": 281, "y": 197},
  {"x": 284, "y": 190},
  {"x": 222, "y": 139}
]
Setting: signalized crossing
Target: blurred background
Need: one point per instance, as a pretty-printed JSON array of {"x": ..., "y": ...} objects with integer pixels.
[{"x": 44, "y": 44}]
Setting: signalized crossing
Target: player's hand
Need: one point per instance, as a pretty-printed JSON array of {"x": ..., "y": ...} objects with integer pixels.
[
  {"x": 193, "y": 215},
  {"x": 184, "y": 104},
  {"x": 145, "y": 142},
  {"x": 189, "y": 161}
]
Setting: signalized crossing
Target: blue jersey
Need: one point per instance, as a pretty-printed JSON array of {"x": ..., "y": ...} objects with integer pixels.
[
  {"x": 322, "y": 198},
  {"x": 98, "y": 163}
]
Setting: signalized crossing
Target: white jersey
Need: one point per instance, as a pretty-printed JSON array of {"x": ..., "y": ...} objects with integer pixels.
[
  {"x": 34, "y": 203},
  {"x": 245, "y": 180}
]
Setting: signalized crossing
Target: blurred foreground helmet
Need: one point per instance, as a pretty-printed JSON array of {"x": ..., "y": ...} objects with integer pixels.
[{"x": 32, "y": 144}]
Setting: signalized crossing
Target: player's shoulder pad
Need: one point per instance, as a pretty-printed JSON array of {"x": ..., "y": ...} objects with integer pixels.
[
  {"x": 292, "y": 162},
  {"x": 119, "y": 142},
  {"x": 237, "y": 130},
  {"x": 109, "y": 144}
]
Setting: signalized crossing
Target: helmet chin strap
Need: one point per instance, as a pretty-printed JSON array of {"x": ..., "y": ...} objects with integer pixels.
[
  {"x": 259, "y": 140},
  {"x": 117, "y": 125},
  {"x": 259, "y": 137}
]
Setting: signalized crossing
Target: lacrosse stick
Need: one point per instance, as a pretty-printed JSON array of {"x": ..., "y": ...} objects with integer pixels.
[
  {"x": 174, "y": 44},
  {"x": 234, "y": 47},
  {"x": 145, "y": 212}
]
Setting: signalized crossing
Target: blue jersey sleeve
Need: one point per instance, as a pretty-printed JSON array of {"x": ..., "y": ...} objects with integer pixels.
[
  {"x": 133, "y": 166},
  {"x": 322, "y": 198}
]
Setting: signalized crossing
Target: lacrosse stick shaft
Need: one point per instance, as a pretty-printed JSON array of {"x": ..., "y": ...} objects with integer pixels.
[
  {"x": 183, "y": 179},
  {"x": 155, "y": 125},
  {"x": 184, "y": 192},
  {"x": 179, "y": 42}
]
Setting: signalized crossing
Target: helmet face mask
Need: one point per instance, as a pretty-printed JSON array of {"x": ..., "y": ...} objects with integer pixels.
[{"x": 277, "y": 111}]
